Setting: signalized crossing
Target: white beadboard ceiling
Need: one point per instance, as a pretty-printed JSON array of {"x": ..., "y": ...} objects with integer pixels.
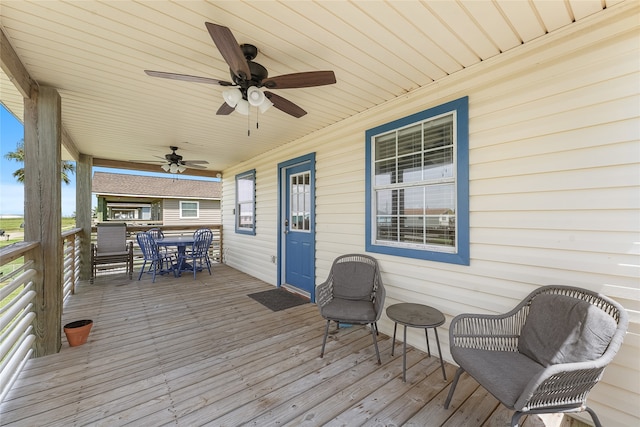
[{"x": 94, "y": 54}]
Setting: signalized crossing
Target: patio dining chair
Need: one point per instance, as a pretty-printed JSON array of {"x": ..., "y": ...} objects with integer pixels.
[
  {"x": 352, "y": 294},
  {"x": 111, "y": 248},
  {"x": 198, "y": 256},
  {"x": 157, "y": 234},
  {"x": 154, "y": 260},
  {"x": 545, "y": 355}
]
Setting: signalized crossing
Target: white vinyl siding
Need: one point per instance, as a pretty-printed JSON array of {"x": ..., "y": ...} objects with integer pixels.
[{"x": 554, "y": 155}]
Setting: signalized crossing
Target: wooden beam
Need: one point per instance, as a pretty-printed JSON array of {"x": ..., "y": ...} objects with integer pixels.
[
  {"x": 13, "y": 67},
  {"x": 42, "y": 213},
  {"x": 118, "y": 164},
  {"x": 70, "y": 145}
]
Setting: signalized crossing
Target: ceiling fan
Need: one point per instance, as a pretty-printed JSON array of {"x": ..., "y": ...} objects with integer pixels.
[
  {"x": 249, "y": 76},
  {"x": 174, "y": 163}
]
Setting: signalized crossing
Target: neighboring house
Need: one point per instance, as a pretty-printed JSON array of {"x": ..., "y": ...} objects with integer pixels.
[
  {"x": 166, "y": 201},
  {"x": 536, "y": 154}
]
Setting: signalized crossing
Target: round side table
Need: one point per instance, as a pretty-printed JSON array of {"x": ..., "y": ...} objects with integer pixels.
[{"x": 415, "y": 316}]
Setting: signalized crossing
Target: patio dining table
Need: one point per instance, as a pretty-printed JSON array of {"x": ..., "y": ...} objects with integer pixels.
[{"x": 181, "y": 242}]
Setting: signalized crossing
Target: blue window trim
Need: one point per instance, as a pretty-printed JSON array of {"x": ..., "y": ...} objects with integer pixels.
[
  {"x": 461, "y": 106},
  {"x": 248, "y": 174}
]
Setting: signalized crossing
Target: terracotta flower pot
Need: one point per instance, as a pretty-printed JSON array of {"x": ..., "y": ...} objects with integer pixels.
[{"x": 77, "y": 332}]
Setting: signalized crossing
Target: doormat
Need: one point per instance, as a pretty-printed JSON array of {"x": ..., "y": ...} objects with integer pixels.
[{"x": 278, "y": 299}]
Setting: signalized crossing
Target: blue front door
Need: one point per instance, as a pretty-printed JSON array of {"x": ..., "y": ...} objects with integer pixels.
[{"x": 299, "y": 228}]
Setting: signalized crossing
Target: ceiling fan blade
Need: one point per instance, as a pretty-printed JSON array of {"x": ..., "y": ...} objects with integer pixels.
[
  {"x": 230, "y": 50},
  {"x": 148, "y": 161},
  {"x": 225, "y": 109},
  {"x": 195, "y": 162},
  {"x": 187, "y": 78},
  {"x": 285, "y": 105},
  {"x": 192, "y": 166},
  {"x": 297, "y": 80}
]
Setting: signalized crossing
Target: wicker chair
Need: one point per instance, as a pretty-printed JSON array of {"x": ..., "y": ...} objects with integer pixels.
[
  {"x": 111, "y": 248},
  {"x": 353, "y": 293},
  {"x": 545, "y": 355}
]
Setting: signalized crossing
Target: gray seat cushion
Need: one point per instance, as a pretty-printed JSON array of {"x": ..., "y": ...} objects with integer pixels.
[
  {"x": 505, "y": 374},
  {"x": 562, "y": 329},
  {"x": 352, "y": 311},
  {"x": 353, "y": 280}
]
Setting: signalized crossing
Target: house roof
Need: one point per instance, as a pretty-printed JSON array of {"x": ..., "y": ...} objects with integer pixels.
[
  {"x": 95, "y": 54},
  {"x": 116, "y": 184}
]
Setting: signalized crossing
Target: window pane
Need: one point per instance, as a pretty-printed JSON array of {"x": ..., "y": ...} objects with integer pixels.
[
  {"x": 422, "y": 214},
  {"x": 385, "y": 146},
  {"x": 410, "y": 140},
  {"x": 410, "y": 168},
  {"x": 385, "y": 172},
  {"x": 300, "y": 202},
  {"x": 441, "y": 215},
  {"x": 245, "y": 202},
  {"x": 387, "y": 228},
  {"x": 386, "y": 202},
  {"x": 188, "y": 209},
  {"x": 411, "y": 201},
  {"x": 438, "y": 133},
  {"x": 438, "y": 164},
  {"x": 245, "y": 188},
  {"x": 412, "y": 229},
  {"x": 245, "y": 213}
]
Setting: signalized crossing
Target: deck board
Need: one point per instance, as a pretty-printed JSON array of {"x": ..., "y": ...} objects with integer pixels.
[{"x": 184, "y": 352}]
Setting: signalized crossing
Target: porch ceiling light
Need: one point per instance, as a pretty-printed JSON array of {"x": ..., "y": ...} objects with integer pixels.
[
  {"x": 265, "y": 105},
  {"x": 232, "y": 97},
  {"x": 243, "y": 107},
  {"x": 242, "y": 100},
  {"x": 173, "y": 168},
  {"x": 255, "y": 96}
]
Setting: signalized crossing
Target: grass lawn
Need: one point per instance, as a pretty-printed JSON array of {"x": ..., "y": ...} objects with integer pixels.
[{"x": 11, "y": 226}]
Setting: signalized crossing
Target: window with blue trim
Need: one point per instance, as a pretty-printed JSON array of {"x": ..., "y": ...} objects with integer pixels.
[
  {"x": 246, "y": 202},
  {"x": 417, "y": 185}
]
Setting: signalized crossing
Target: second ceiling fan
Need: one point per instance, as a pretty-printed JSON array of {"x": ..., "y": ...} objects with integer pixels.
[{"x": 248, "y": 77}]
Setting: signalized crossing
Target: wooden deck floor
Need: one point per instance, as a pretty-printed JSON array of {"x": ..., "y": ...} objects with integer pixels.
[{"x": 192, "y": 352}]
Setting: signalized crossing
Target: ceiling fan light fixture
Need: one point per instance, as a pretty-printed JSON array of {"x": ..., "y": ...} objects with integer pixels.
[
  {"x": 243, "y": 107},
  {"x": 165, "y": 167},
  {"x": 232, "y": 97},
  {"x": 255, "y": 96},
  {"x": 265, "y": 105},
  {"x": 181, "y": 168},
  {"x": 173, "y": 168}
]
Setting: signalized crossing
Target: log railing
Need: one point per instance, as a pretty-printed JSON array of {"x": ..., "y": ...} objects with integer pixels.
[
  {"x": 16, "y": 301},
  {"x": 16, "y": 313}
]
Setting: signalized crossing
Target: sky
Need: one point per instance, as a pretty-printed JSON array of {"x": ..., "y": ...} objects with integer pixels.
[{"x": 12, "y": 192}]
